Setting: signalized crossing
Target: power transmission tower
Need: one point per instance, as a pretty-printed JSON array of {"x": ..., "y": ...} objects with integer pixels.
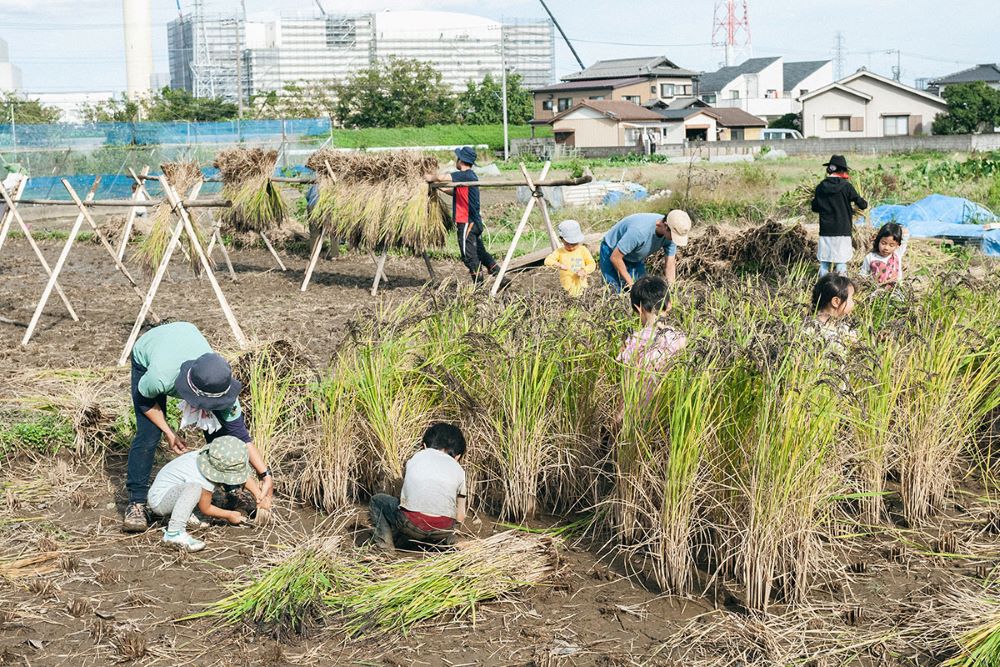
[
  {"x": 731, "y": 29},
  {"x": 839, "y": 54}
]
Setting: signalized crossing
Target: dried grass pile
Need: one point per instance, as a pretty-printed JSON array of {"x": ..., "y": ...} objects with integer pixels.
[
  {"x": 182, "y": 176},
  {"x": 378, "y": 200},
  {"x": 772, "y": 248},
  {"x": 256, "y": 204}
]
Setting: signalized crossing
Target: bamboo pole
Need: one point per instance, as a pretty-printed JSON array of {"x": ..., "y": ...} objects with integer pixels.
[
  {"x": 8, "y": 214},
  {"x": 379, "y": 271},
  {"x": 132, "y": 212},
  {"x": 217, "y": 236},
  {"x": 107, "y": 245},
  {"x": 37, "y": 250},
  {"x": 317, "y": 247},
  {"x": 51, "y": 283},
  {"x": 553, "y": 238},
  {"x": 430, "y": 268},
  {"x": 535, "y": 194},
  {"x": 274, "y": 253}
]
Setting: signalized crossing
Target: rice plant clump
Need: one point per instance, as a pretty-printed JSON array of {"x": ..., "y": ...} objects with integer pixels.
[
  {"x": 378, "y": 200},
  {"x": 183, "y": 177},
  {"x": 255, "y": 202}
]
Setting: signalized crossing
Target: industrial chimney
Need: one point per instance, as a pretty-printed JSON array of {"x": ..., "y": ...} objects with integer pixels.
[{"x": 138, "y": 22}]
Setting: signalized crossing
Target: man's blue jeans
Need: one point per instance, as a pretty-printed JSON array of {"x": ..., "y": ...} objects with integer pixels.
[
  {"x": 610, "y": 273},
  {"x": 839, "y": 267}
]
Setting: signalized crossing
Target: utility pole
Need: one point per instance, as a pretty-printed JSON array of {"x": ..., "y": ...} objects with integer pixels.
[
  {"x": 897, "y": 71},
  {"x": 503, "y": 93},
  {"x": 839, "y": 53}
]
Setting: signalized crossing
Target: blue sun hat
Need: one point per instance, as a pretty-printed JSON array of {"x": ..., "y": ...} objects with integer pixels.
[
  {"x": 466, "y": 154},
  {"x": 225, "y": 460}
]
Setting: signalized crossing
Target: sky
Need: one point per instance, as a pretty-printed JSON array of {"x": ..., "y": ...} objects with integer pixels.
[{"x": 77, "y": 45}]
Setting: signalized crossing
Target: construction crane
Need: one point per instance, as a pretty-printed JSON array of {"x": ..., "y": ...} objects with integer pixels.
[
  {"x": 321, "y": 10},
  {"x": 559, "y": 28}
]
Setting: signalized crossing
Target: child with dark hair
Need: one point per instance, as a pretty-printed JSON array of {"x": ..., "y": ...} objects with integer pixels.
[
  {"x": 885, "y": 262},
  {"x": 832, "y": 302},
  {"x": 432, "y": 502},
  {"x": 833, "y": 200},
  {"x": 651, "y": 346}
]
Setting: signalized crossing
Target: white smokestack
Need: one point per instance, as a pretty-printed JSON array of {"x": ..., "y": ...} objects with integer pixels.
[{"x": 138, "y": 21}]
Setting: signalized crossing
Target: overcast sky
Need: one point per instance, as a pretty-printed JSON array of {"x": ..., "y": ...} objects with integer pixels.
[{"x": 77, "y": 45}]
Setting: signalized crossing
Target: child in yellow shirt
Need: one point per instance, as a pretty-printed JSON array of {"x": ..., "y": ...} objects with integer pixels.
[{"x": 573, "y": 260}]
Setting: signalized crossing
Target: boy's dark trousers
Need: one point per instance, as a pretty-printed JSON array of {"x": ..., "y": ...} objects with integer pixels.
[
  {"x": 388, "y": 519},
  {"x": 470, "y": 244}
]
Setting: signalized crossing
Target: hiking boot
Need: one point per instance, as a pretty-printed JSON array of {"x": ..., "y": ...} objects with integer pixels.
[
  {"x": 194, "y": 523},
  {"x": 182, "y": 542},
  {"x": 135, "y": 520},
  {"x": 382, "y": 540}
]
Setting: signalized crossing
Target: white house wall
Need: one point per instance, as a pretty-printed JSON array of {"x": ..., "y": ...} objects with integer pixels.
[
  {"x": 821, "y": 78},
  {"x": 831, "y": 103},
  {"x": 887, "y": 100}
]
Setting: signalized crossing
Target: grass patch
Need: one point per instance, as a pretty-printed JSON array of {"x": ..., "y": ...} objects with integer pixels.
[{"x": 34, "y": 432}]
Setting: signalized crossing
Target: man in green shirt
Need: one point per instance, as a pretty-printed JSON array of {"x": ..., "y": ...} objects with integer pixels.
[{"x": 176, "y": 360}]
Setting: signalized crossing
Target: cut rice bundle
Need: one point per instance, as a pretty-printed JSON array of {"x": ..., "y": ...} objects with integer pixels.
[
  {"x": 256, "y": 204},
  {"x": 182, "y": 176}
]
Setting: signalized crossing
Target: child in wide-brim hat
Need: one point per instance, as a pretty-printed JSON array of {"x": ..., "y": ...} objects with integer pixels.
[{"x": 189, "y": 481}]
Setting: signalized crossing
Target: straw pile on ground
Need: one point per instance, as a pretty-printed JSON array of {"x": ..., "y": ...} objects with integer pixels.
[
  {"x": 378, "y": 200},
  {"x": 772, "y": 248},
  {"x": 182, "y": 176},
  {"x": 256, "y": 204}
]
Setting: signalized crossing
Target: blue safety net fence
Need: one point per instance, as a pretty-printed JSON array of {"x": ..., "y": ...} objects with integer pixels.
[
  {"x": 93, "y": 135},
  {"x": 944, "y": 217}
]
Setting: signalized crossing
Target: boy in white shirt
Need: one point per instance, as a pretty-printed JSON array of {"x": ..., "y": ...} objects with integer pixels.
[{"x": 432, "y": 502}]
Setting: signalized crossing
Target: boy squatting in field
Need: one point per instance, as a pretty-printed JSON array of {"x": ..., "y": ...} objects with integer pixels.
[
  {"x": 188, "y": 482},
  {"x": 432, "y": 502},
  {"x": 465, "y": 212},
  {"x": 573, "y": 260},
  {"x": 175, "y": 360}
]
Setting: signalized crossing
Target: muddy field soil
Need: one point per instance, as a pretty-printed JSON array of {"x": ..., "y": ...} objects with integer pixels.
[{"x": 89, "y": 595}]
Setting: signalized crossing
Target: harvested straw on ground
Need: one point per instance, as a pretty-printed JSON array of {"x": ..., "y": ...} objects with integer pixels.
[
  {"x": 182, "y": 176},
  {"x": 378, "y": 200},
  {"x": 772, "y": 248},
  {"x": 256, "y": 204}
]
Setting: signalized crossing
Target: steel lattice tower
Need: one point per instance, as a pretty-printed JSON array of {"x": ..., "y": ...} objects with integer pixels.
[{"x": 731, "y": 29}]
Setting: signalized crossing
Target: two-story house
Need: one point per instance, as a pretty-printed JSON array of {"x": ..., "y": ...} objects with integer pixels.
[
  {"x": 641, "y": 81},
  {"x": 764, "y": 87}
]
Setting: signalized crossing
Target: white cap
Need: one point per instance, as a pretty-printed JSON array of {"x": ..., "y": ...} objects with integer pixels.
[{"x": 569, "y": 231}]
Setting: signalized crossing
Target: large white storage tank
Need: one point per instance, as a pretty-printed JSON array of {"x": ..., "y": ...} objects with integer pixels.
[{"x": 138, "y": 23}]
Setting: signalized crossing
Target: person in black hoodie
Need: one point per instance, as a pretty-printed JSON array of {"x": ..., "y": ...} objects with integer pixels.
[{"x": 832, "y": 200}]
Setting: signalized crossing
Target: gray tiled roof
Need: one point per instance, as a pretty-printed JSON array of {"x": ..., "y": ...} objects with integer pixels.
[
  {"x": 796, "y": 73},
  {"x": 630, "y": 67},
  {"x": 988, "y": 72},
  {"x": 713, "y": 82},
  {"x": 589, "y": 84}
]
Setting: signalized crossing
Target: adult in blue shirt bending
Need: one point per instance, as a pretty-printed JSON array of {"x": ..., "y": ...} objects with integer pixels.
[{"x": 629, "y": 243}]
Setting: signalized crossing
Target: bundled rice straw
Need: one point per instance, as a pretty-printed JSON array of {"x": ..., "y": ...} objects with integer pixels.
[
  {"x": 372, "y": 598},
  {"x": 182, "y": 176},
  {"x": 378, "y": 200},
  {"x": 256, "y": 204}
]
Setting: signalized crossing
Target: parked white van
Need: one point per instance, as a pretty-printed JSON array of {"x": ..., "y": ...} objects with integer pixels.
[{"x": 780, "y": 134}]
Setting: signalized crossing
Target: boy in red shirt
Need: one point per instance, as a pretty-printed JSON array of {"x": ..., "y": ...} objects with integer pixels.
[{"x": 465, "y": 212}]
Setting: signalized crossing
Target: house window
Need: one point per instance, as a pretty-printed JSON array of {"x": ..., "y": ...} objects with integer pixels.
[
  {"x": 652, "y": 90},
  {"x": 667, "y": 90},
  {"x": 736, "y": 134},
  {"x": 895, "y": 126},
  {"x": 771, "y": 94},
  {"x": 838, "y": 123},
  {"x": 734, "y": 94},
  {"x": 565, "y": 103},
  {"x": 547, "y": 105},
  {"x": 634, "y": 99},
  {"x": 596, "y": 97},
  {"x": 711, "y": 99},
  {"x": 631, "y": 136},
  {"x": 685, "y": 90}
]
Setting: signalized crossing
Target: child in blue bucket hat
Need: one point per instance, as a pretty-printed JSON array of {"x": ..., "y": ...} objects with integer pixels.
[{"x": 465, "y": 212}]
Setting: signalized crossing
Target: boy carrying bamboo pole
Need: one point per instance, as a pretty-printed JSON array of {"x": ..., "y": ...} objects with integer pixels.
[{"x": 432, "y": 502}]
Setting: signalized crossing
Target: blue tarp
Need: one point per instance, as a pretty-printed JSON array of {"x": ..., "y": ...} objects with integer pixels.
[{"x": 941, "y": 216}]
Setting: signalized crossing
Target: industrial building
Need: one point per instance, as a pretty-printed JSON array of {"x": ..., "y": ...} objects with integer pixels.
[{"x": 209, "y": 53}]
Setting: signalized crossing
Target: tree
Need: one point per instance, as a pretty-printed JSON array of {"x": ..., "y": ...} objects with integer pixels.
[
  {"x": 395, "y": 93},
  {"x": 169, "y": 104},
  {"x": 482, "y": 103},
  {"x": 972, "y": 108},
  {"x": 296, "y": 100},
  {"x": 25, "y": 110},
  {"x": 790, "y": 121}
]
